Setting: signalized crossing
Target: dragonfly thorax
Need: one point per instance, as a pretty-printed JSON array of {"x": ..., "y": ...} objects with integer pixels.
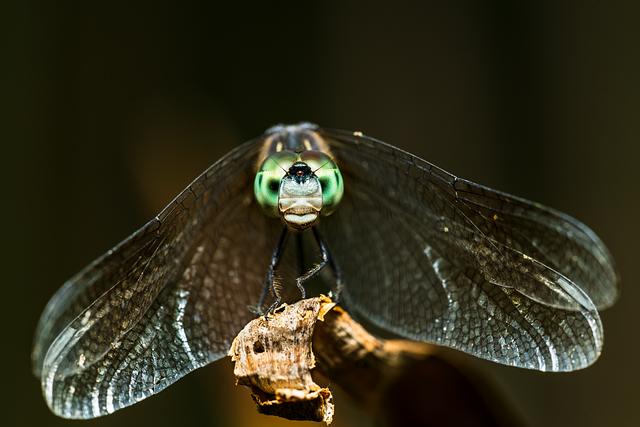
[{"x": 297, "y": 138}]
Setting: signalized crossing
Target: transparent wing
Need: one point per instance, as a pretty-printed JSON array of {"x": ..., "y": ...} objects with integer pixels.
[
  {"x": 461, "y": 265},
  {"x": 166, "y": 301},
  {"x": 81, "y": 290}
]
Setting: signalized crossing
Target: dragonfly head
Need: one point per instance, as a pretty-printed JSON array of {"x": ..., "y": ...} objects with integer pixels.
[{"x": 298, "y": 187}]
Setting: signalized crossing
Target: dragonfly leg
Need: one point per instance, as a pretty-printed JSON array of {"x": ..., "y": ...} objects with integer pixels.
[
  {"x": 326, "y": 259},
  {"x": 337, "y": 272},
  {"x": 300, "y": 251},
  {"x": 269, "y": 281}
]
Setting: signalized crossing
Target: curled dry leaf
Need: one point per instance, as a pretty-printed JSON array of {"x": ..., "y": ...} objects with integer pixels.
[{"x": 274, "y": 358}]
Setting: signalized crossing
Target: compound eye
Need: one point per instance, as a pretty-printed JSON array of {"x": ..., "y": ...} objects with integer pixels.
[
  {"x": 329, "y": 176},
  {"x": 267, "y": 184}
]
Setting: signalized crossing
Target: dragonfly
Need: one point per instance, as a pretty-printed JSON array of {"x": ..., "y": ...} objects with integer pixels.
[{"x": 405, "y": 245}]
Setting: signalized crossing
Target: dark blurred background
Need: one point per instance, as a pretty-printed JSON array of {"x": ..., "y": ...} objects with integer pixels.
[{"x": 110, "y": 110}]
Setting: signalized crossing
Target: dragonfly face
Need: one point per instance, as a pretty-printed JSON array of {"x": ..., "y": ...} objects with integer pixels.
[
  {"x": 418, "y": 251},
  {"x": 300, "y": 196},
  {"x": 297, "y": 181}
]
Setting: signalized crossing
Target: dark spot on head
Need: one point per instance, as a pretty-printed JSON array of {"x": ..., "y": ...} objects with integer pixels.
[
  {"x": 258, "y": 347},
  {"x": 300, "y": 171}
]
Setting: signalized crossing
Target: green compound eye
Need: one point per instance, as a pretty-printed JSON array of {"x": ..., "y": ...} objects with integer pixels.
[
  {"x": 332, "y": 187},
  {"x": 267, "y": 182},
  {"x": 329, "y": 176}
]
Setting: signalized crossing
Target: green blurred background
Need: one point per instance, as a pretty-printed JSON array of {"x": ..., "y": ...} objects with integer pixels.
[{"x": 112, "y": 109}]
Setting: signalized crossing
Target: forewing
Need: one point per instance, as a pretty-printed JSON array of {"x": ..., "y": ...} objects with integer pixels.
[
  {"x": 170, "y": 304},
  {"x": 436, "y": 258}
]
